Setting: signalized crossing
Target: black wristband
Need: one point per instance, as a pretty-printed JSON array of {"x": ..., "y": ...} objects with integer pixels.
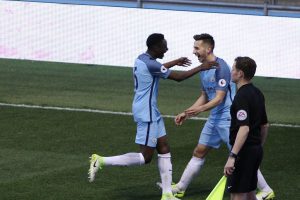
[{"x": 233, "y": 155}]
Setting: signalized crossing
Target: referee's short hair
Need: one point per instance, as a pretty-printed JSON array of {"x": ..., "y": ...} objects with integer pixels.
[
  {"x": 247, "y": 65},
  {"x": 154, "y": 39}
]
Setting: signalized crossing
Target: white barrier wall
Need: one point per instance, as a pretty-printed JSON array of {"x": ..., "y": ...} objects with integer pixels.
[{"x": 115, "y": 36}]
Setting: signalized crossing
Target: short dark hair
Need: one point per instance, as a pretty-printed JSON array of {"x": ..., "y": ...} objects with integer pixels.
[
  {"x": 247, "y": 65},
  {"x": 154, "y": 39},
  {"x": 206, "y": 38}
]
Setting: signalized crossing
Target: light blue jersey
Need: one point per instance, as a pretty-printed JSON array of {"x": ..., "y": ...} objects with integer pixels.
[
  {"x": 219, "y": 79},
  {"x": 147, "y": 72},
  {"x": 216, "y": 129}
]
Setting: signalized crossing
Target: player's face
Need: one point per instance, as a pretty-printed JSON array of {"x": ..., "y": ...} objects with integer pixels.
[
  {"x": 162, "y": 48},
  {"x": 201, "y": 50},
  {"x": 235, "y": 73}
]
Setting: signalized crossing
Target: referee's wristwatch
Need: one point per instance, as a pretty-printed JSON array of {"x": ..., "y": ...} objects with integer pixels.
[{"x": 233, "y": 155}]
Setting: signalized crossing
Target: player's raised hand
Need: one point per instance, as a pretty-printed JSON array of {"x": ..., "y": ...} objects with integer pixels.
[
  {"x": 184, "y": 62},
  {"x": 180, "y": 118},
  {"x": 209, "y": 65}
]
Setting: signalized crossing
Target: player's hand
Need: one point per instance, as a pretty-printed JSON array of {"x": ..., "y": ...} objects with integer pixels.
[
  {"x": 191, "y": 112},
  {"x": 209, "y": 65},
  {"x": 179, "y": 119},
  {"x": 229, "y": 167},
  {"x": 184, "y": 62}
]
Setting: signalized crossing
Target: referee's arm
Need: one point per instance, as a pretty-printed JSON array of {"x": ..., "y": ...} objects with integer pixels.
[
  {"x": 240, "y": 139},
  {"x": 264, "y": 127},
  {"x": 238, "y": 144},
  {"x": 264, "y": 132}
]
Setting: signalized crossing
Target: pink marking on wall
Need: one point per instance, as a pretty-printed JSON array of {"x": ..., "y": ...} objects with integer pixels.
[
  {"x": 40, "y": 54},
  {"x": 87, "y": 55},
  {"x": 8, "y": 51},
  {"x": 19, "y": 29},
  {"x": 9, "y": 11}
]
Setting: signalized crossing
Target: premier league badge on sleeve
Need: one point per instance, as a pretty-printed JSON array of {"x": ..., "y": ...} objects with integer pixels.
[
  {"x": 222, "y": 82},
  {"x": 163, "y": 69},
  {"x": 241, "y": 115}
]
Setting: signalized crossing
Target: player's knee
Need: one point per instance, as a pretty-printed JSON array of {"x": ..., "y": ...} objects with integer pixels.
[
  {"x": 163, "y": 150},
  {"x": 239, "y": 196},
  {"x": 162, "y": 145},
  {"x": 200, "y": 152},
  {"x": 251, "y": 196},
  {"x": 147, "y": 158}
]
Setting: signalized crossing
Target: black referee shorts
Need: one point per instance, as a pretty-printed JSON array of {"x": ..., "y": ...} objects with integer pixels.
[{"x": 244, "y": 177}]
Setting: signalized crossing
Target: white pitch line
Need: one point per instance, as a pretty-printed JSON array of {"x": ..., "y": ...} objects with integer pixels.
[{"x": 115, "y": 113}]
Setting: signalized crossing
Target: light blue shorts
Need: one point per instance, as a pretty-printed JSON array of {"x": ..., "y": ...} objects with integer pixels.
[
  {"x": 214, "y": 132},
  {"x": 148, "y": 132}
]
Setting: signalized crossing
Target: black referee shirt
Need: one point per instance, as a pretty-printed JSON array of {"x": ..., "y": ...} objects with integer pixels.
[{"x": 248, "y": 108}]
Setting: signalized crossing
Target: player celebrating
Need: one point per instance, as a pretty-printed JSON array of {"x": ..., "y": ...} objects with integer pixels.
[
  {"x": 151, "y": 133},
  {"x": 217, "y": 93}
]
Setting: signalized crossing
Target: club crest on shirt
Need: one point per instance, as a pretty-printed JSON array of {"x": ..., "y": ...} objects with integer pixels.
[
  {"x": 222, "y": 82},
  {"x": 241, "y": 115},
  {"x": 163, "y": 69},
  {"x": 154, "y": 140}
]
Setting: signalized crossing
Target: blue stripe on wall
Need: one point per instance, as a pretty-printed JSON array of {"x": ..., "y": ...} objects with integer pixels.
[{"x": 162, "y": 6}]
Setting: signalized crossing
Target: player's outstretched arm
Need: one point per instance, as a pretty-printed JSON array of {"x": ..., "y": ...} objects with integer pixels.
[
  {"x": 183, "y": 61},
  {"x": 180, "y": 118},
  {"x": 180, "y": 76},
  {"x": 200, "y": 101},
  {"x": 195, "y": 110}
]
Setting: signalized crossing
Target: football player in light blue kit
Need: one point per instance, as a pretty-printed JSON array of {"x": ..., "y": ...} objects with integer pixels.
[
  {"x": 151, "y": 133},
  {"x": 217, "y": 95}
]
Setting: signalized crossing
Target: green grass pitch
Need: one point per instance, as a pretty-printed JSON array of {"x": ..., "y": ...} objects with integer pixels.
[{"x": 44, "y": 153}]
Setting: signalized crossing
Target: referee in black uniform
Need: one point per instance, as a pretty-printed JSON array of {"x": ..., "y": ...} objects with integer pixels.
[{"x": 249, "y": 125}]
